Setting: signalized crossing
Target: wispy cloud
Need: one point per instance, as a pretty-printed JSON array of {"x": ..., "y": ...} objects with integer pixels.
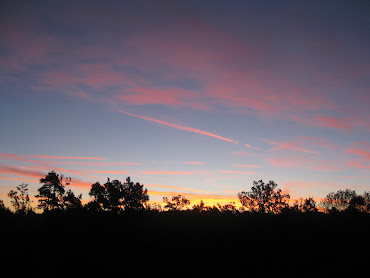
[
  {"x": 176, "y": 187},
  {"x": 36, "y": 173},
  {"x": 94, "y": 163},
  {"x": 247, "y": 166},
  {"x": 360, "y": 148},
  {"x": 253, "y": 147},
  {"x": 20, "y": 171},
  {"x": 66, "y": 157},
  {"x": 237, "y": 172},
  {"x": 294, "y": 145},
  {"x": 194, "y": 163},
  {"x": 22, "y": 158},
  {"x": 167, "y": 173},
  {"x": 190, "y": 129}
]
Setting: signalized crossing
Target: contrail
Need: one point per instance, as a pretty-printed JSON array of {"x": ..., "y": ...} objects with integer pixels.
[{"x": 179, "y": 126}]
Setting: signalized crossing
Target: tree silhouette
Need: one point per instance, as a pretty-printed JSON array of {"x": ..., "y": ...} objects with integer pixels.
[
  {"x": 107, "y": 197},
  {"x": 52, "y": 191},
  {"x": 71, "y": 202},
  {"x": 20, "y": 199},
  {"x": 227, "y": 208},
  {"x": 338, "y": 201},
  {"x": 200, "y": 207},
  {"x": 178, "y": 202},
  {"x": 305, "y": 205},
  {"x": 134, "y": 195},
  {"x": 264, "y": 198},
  {"x": 359, "y": 203},
  {"x": 114, "y": 196},
  {"x": 3, "y": 209}
]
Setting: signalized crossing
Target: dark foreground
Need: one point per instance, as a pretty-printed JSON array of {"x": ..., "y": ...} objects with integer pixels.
[{"x": 182, "y": 244}]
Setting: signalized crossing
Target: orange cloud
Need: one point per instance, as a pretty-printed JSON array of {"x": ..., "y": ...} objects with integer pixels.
[{"x": 190, "y": 129}]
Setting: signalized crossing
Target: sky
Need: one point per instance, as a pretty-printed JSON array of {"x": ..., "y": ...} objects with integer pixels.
[{"x": 198, "y": 98}]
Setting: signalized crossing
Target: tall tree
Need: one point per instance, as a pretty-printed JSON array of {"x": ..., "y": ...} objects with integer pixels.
[
  {"x": 134, "y": 195},
  {"x": 52, "y": 190},
  {"x": 20, "y": 199},
  {"x": 107, "y": 197},
  {"x": 264, "y": 198}
]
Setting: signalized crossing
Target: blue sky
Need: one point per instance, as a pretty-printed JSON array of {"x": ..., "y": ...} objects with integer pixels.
[{"x": 197, "y": 98}]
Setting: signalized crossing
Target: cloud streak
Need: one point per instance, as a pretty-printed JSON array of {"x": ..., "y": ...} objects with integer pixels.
[
  {"x": 66, "y": 157},
  {"x": 186, "y": 128}
]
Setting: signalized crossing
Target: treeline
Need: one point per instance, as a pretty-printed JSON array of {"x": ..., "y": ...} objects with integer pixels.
[{"x": 116, "y": 197}]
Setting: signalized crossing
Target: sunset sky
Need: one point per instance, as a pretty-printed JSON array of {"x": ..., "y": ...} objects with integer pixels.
[{"x": 198, "y": 98}]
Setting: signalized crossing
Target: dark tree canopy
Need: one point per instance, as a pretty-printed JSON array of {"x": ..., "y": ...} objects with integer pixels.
[
  {"x": 178, "y": 202},
  {"x": 134, "y": 195},
  {"x": 71, "y": 201},
  {"x": 114, "y": 196},
  {"x": 305, "y": 205},
  {"x": 52, "y": 191},
  {"x": 338, "y": 200},
  {"x": 264, "y": 198},
  {"x": 346, "y": 200}
]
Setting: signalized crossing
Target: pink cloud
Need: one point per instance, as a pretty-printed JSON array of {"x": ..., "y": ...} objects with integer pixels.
[
  {"x": 295, "y": 146},
  {"x": 167, "y": 173},
  {"x": 21, "y": 158},
  {"x": 31, "y": 173},
  {"x": 248, "y": 166},
  {"x": 237, "y": 172},
  {"x": 333, "y": 122},
  {"x": 291, "y": 161},
  {"x": 194, "y": 163},
  {"x": 250, "y": 146},
  {"x": 65, "y": 157},
  {"x": 176, "y": 187},
  {"x": 360, "y": 148},
  {"x": 20, "y": 171},
  {"x": 169, "y": 95},
  {"x": 326, "y": 168},
  {"x": 93, "y": 163},
  {"x": 190, "y": 129},
  {"x": 358, "y": 165}
]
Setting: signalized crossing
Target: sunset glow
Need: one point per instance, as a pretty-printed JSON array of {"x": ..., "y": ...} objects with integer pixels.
[{"x": 198, "y": 98}]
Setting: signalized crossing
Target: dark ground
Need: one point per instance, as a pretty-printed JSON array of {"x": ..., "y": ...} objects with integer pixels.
[{"x": 186, "y": 244}]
